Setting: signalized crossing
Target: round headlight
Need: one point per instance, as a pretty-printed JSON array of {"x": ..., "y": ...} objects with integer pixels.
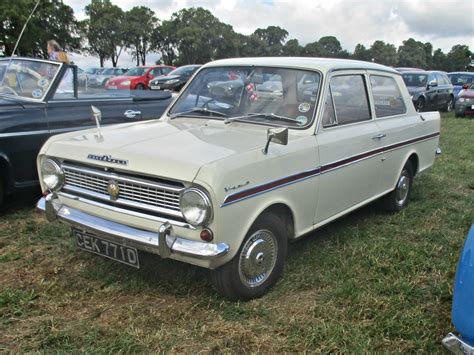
[
  {"x": 52, "y": 174},
  {"x": 195, "y": 206}
]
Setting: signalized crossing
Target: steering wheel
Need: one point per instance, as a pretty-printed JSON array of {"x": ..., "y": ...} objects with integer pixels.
[{"x": 10, "y": 89}]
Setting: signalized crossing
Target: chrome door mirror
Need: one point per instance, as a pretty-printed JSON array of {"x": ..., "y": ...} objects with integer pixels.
[
  {"x": 432, "y": 84},
  {"x": 276, "y": 135}
]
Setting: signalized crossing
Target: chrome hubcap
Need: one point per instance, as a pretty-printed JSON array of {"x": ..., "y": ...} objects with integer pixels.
[
  {"x": 403, "y": 186},
  {"x": 258, "y": 258}
]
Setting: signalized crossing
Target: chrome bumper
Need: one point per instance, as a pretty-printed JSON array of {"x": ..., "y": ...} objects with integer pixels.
[
  {"x": 163, "y": 242},
  {"x": 457, "y": 346}
]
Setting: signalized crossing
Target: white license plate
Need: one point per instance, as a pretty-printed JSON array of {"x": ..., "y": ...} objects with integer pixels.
[
  {"x": 472, "y": 107},
  {"x": 156, "y": 87}
]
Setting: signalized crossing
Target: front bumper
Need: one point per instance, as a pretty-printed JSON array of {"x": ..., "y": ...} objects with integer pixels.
[
  {"x": 163, "y": 242},
  {"x": 457, "y": 346}
]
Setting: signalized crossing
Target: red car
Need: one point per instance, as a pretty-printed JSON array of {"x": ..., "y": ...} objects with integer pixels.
[
  {"x": 137, "y": 78},
  {"x": 464, "y": 105}
]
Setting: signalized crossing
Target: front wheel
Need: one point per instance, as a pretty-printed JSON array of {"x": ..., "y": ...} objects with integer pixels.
[
  {"x": 140, "y": 87},
  {"x": 398, "y": 199},
  {"x": 450, "y": 105},
  {"x": 259, "y": 263}
]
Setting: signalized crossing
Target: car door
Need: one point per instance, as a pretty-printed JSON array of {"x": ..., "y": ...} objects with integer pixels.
[
  {"x": 443, "y": 91},
  {"x": 432, "y": 97},
  {"x": 67, "y": 112},
  {"x": 396, "y": 127},
  {"x": 349, "y": 147}
]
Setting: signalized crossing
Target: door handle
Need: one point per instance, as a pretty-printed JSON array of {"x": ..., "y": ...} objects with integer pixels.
[
  {"x": 379, "y": 136},
  {"x": 132, "y": 114}
]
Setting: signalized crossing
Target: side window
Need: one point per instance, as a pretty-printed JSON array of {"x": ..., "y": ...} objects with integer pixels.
[
  {"x": 349, "y": 94},
  {"x": 156, "y": 72},
  {"x": 387, "y": 96},
  {"x": 432, "y": 79},
  {"x": 65, "y": 89},
  {"x": 166, "y": 70},
  {"x": 442, "y": 80}
]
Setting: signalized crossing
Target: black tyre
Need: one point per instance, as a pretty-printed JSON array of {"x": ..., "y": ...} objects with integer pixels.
[
  {"x": 398, "y": 199},
  {"x": 450, "y": 105},
  {"x": 420, "y": 104},
  {"x": 140, "y": 87},
  {"x": 258, "y": 264}
]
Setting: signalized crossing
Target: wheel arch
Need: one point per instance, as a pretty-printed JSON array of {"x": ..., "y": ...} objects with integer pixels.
[
  {"x": 413, "y": 158},
  {"x": 282, "y": 210},
  {"x": 6, "y": 172}
]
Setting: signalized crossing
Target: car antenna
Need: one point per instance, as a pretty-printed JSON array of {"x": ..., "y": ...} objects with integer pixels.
[{"x": 18, "y": 40}]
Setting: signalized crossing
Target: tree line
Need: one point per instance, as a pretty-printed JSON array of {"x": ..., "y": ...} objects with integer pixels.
[{"x": 190, "y": 36}]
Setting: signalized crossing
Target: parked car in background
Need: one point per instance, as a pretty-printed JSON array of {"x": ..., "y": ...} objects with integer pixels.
[
  {"x": 429, "y": 90},
  {"x": 99, "y": 80},
  {"x": 93, "y": 71},
  {"x": 40, "y": 98},
  {"x": 464, "y": 105},
  {"x": 403, "y": 69},
  {"x": 459, "y": 79},
  {"x": 462, "y": 312},
  {"x": 175, "y": 79},
  {"x": 137, "y": 78},
  {"x": 231, "y": 173},
  {"x": 82, "y": 78}
]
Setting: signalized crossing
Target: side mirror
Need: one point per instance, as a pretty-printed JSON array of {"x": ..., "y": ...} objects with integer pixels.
[
  {"x": 276, "y": 135},
  {"x": 432, "y": 84}
]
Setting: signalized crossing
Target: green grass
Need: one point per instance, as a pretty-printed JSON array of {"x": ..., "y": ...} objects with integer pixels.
[{"x": 368, "y": 282}]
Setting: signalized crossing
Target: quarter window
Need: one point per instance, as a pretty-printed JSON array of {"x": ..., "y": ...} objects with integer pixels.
[
  {"x": 347, "y": 101},
  {"x": 388, "y": 99}
]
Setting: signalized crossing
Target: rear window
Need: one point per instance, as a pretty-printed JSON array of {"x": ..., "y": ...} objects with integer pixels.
[{"x": 388, "y": 99}]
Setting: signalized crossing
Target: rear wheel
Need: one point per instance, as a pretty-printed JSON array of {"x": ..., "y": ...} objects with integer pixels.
[
  {"x": 420, "y": 104},
  {"x": 259, "y": 263},
  {"x": 398, "y": 199}
]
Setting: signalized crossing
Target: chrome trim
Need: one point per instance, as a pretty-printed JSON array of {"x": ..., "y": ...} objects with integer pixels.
[
  {"x": 102, "y": 227},
  {"x": 25, "y": 133},
  {"x": 438, "y": 151},
  {"x": 122, "y": 201},
  {"x": 125, "y": 211},
  {"x": 122, "y": 178},
  {"x": 457, "y": 345}
]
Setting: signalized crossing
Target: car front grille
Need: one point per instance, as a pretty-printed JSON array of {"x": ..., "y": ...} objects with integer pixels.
[{"x": 133, "y": 192}]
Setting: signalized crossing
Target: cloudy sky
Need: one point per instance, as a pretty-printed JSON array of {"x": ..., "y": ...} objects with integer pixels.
[{"x": 444, "y": 23}]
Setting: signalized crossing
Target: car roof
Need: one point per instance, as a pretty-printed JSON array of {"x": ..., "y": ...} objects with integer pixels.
[
  {"x": 322, "y": 64},
  {"x": 462, "y": 72}
]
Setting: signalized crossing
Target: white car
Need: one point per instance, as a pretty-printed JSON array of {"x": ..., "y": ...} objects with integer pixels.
[{"x": 225, "y": 178}]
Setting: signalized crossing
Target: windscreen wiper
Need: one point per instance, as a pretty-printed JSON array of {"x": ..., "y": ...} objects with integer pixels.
[
  {"x": 199, "y": 110},
  {"x": 267, "y": 115}
]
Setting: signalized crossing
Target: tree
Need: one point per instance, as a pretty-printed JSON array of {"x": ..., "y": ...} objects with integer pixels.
[
  {"x": 139, "y": 24},
  {"x": 458, "y": 57},
  {"x": 52, "y": 20},
  {"x": 439, "y": 60},
  {"x": 330, "y": 47},
  {"x": 272, "y": 38},
  {"x": 412, "y": 54},
  {"x": 104, "y": 30},
  {"x": 165, "y": 40},
  {"x": 362, "y": 53},
  {"x": 292, "y": 48},
  {"x": 384, "y": 53}
]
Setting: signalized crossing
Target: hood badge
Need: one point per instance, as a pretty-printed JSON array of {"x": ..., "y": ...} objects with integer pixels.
[
  {"x": 107, "y": 159},
  {"x": 231, "y": 188},
  {"x": 113, "y": 189}
]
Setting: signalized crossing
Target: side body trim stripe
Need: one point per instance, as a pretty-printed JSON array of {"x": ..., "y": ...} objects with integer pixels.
[{"x": 269, "y": 186}]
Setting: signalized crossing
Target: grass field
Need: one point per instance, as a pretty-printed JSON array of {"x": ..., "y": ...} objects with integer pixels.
[{"x": 368, "y": 282}]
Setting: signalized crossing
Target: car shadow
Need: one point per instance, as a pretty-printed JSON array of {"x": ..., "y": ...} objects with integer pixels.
[{"x": 20, "y": 200}]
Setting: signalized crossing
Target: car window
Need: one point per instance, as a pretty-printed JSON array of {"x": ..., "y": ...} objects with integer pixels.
[
  {"x": 349, "y": 95},
  {"x": 461, "y": 79},
  {"x": 329, "y": 116},
  {"x": 65, "y": 89},
  {"x": 156, "y": 72},
  {"x": 166, "y": 70},
  {"x": 388, "y": 99},
  {"x": 432, "y": 78}
]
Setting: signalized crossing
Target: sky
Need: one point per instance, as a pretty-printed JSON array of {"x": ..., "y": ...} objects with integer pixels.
[{"x": 444, "y": 23}]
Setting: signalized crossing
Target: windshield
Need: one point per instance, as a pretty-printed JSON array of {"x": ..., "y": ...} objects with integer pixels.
[
  {"x": 269, "y": 95},
  {"x": 136, "y": 72},
  {"x": 26, "y": 78},
  {"x": 109, "y": 71},
  {"x": 415, "y": 79},
  {"x": 461, "y": 79}
]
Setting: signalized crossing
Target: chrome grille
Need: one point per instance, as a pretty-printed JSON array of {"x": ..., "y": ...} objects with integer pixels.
[{"x": 134, "y": 192}]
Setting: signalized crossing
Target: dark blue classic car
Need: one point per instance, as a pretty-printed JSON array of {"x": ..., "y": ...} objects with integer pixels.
[
  {"x": 40, "y": 98},
  {"x": 463, "y": 302}
]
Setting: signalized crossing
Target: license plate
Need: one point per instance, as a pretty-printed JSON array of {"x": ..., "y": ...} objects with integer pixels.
[
  {"x": 156, "y": 87},
  {"x": 113, "y": 87},
  {"x": 472, "y": 107},
  {"x": 118, "y": 252}
]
